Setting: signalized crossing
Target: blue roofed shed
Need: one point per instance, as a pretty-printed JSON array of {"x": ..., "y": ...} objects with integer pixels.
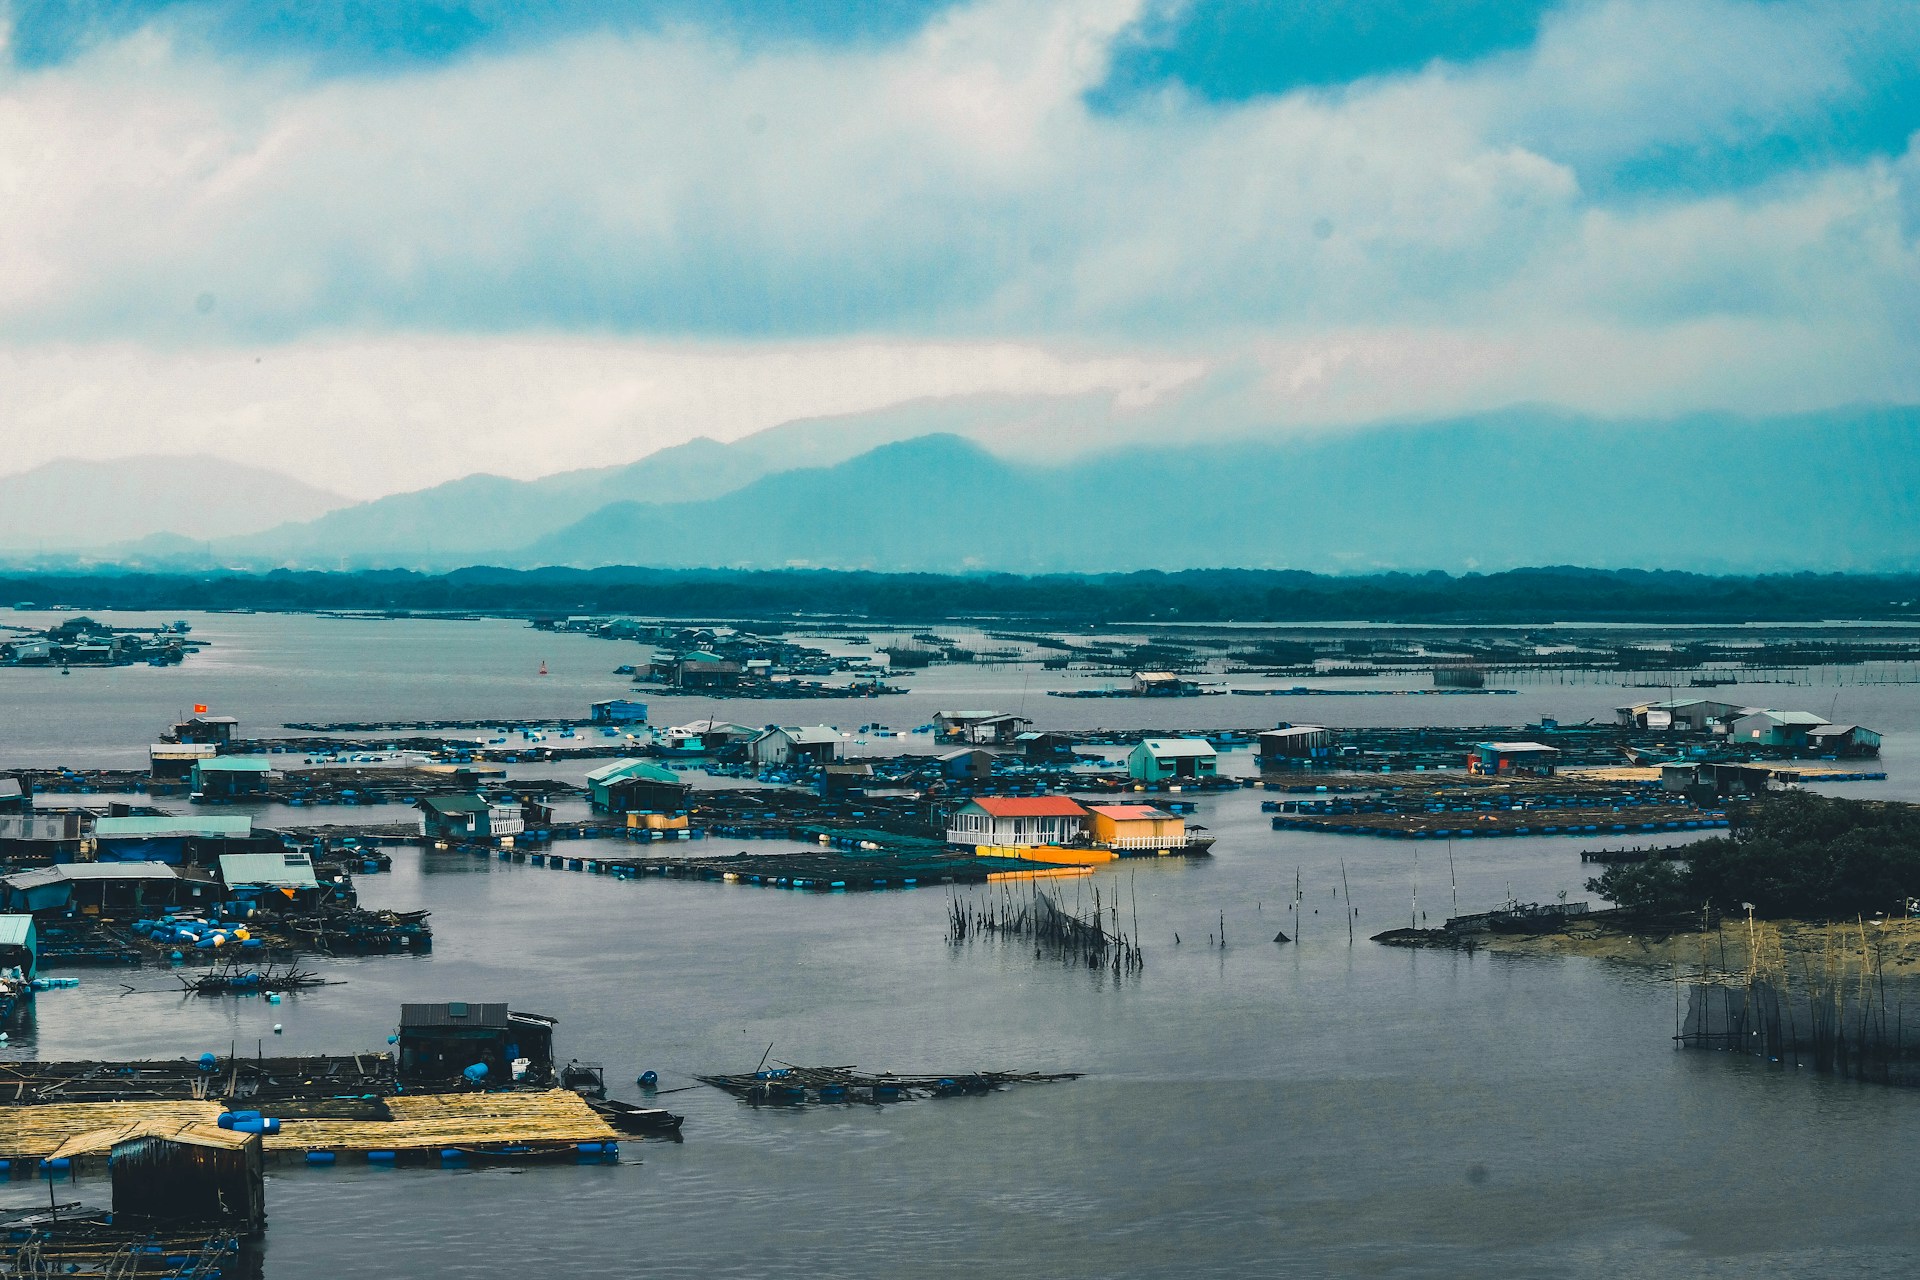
[{"x": 19, "y": 944}]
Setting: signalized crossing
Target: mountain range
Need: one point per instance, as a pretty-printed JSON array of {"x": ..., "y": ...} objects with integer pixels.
[
  {"x": 1836, "y": 490},
  {"x": 72, "y": 504}
]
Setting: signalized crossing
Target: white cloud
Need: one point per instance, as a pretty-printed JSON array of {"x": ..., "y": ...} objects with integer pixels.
[{"x": 568, "y": 254}]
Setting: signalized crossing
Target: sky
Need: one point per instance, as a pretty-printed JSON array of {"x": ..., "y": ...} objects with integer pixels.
[{"x": 380, "y": 245}]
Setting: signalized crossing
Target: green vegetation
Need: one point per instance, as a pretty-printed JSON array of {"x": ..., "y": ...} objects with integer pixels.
[
  {"x": 1200, "y": 595},
  {"x": 1797, "y": 855}
]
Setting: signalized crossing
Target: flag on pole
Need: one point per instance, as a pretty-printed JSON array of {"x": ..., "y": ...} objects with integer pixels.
[{"x": 199, "y": 708}]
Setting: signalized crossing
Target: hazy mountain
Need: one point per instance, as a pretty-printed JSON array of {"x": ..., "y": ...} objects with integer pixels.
[
  {"x": 70, "y": 504},
  {"x": 482, "y": 516},
  {"x": 1826, "y": 491}
]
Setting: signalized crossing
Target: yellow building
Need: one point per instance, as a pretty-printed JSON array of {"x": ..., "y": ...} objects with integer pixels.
[{"x": 1135, "y": 826}]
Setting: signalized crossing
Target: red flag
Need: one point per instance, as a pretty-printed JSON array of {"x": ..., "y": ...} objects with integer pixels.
[{"x": 199, "y": 708}]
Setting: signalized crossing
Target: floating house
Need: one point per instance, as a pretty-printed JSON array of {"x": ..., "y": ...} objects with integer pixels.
[
  {"x": 169, "y": 1172},
  {"x": 618, "y": 711},
  {"x": 1135, "y": 826},
  {"x": 208, "y": 730},
  {"x": 1040, "y": 747},
  {"x": 1012, "y": 821},
  {"x": 603, "y": 782},
  {"x": 700, "y": 669},
  {"x": 1162, "y": 684},
  {"x": 264, "y": 877},
  {"x": 229, "y": 777},
  {"x": 1527, "y": 758},
  {"x": 1768, "y": 728},
  {"x": 112, "y": 886},
  {"x": 172, "y": 762},
  {"x": 469, "y": 817},
  {"x": 1843, "y": 740},
  {"x": 1296, "y": 742},
  {"x": 36, "y": 839},
  {"x": 1684, "y": 715},
  {"x": 178, "y": 841},
  {"x": 706, "y": 737},
  {"x": 981, "y": 728},
  {"x": 14, "y": 798},
  {"x": 792, "y": 745},
  {"x": 445, "y": 1042},
  {"x": 846, "y": 779},
  {"x": 1172, "y": 759},
  {"x": 973, "y": 764},
  {"x": 1718, "y": 781},
  {"x": 19, "y": 945}
]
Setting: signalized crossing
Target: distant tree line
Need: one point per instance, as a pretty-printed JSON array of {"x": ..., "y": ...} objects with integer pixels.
[
  {"x": 1796, "y": 855},
  {"x": 1200, "y": 595}
]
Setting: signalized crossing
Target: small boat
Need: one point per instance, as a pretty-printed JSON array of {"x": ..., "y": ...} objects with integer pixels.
[
  {"x": 655, "y": 1122},
  {"x": 543, "y": 667}
]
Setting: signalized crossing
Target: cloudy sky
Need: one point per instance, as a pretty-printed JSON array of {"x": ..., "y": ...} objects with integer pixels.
[{"x": 384, "y": 244}]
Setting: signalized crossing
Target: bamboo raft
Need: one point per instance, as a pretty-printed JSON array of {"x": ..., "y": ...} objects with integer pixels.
[
  {"x": 83, "y": 1244},
  {"x": 253, "y": 1081},
  {"x": 788, "y": 1085},
  {"x": 231, "y": 980},
  {"x": 551, "y": 1122}
]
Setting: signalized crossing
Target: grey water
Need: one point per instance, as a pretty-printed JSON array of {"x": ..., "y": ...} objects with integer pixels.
[{"x": 1313, "y": 1108}]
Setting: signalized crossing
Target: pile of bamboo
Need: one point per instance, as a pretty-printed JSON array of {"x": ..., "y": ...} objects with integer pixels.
[
  {"x": 35, "y": 1132},
  {"x": 553, "y": 1117}
]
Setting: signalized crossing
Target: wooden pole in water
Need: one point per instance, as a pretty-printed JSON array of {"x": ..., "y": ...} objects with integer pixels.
[
  {"x": 1452, "y": 879},
  {"x": 1346, "y": 893}
]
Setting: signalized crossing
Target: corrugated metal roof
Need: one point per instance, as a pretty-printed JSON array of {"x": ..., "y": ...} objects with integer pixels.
[
  {"x": 182, "y": 751},
  {"x": 1294, "y": 731},
  {"x": 70, "y": 871},
  {"x": 811, "y": 734},
  {"x": 455, "y": 804},
  {"x": 172, "y": 825},
  {"x": 492, "y": 1016},
  {"x": 1130, "y": 812},
  {"x": 1029, "y": 807},
  {"x": 631, "y": 769},
  {"x": 1180, "y": 747},
  {"x": 288, "y": 870},
  {"x": 235, "y": 764},
  {"x": 15, "y": 931},
  {"x": 1516, "y": 748}
]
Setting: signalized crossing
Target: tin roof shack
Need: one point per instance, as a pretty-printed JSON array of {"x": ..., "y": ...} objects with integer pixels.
[
  {"x": 14, "y": 798},
  {"x": 1013, "y": 821},
  {"x": 171, "y": 763},
  {"x": 1757, "y": 726},
  {"x": 707, "y": 737},
  {"x": 697, "y": 670},
  {"x": 170, "y": 1172},
  {"x": 618, "y": 711},
  {"x": 602, "y": 782},
  {"x": 40, "y": 839},
  {"x": 442, "y": 1043},
  {"x": 972, "y": 764},
  {"x": 187, "y": 840},
  {"x": 1290, "y": 742},
  {"x": 1162, "y": 684},
  {"x": 207, "y": 730},
  {"x": 469, "y": 817},
  {"x": 1534, "y": 759},
  {"x": 1135, "y": 826},
  {"x": 1685, "y": 715},
  {"x": 227, "y": 777},
  {"x": 1708, "y": 782},
  {"x": 1160, "y": 759},
  {"x": 19, "y": 945},
  {"x": 1041, "y": 747},
  {"x": 981, "y": 728},
  {"x": 280, "y": 880},
  {"x": 846, "y": 779},
  {"x": 95, "y": 887},
  {"x": 796, "y": 745},
  {"x": 1843, "y": 740}
]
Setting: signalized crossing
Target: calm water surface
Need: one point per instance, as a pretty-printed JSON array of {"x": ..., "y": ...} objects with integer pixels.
[{"x": 1308, "y": 1109}]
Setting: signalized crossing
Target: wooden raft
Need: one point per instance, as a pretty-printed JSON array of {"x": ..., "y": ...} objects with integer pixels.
[{"x": 553, "y": 1117}]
